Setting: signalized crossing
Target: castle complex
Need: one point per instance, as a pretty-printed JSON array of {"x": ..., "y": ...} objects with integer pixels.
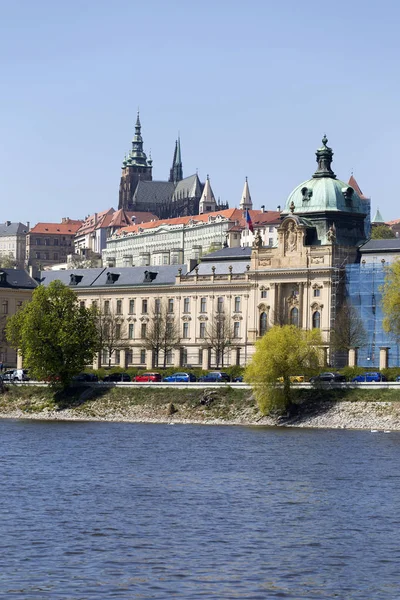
[{"x": 178, "y": 197}]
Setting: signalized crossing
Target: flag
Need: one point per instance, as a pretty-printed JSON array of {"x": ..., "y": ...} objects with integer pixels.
[{"x": 249, "y": 221}]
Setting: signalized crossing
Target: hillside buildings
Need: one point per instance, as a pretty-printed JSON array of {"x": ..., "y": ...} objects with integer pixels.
[{"x": 13, "y": 243}]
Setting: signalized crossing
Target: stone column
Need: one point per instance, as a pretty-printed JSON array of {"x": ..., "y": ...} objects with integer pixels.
[
  {"x": 177, "y": 357},
  {"x": 204, "y": 364},
  {"x": 383, "y": 357},
  {"x": 122, "y": 358},
  {"x": 301, "y": 305},
  {"x": 353, "y": 357},
  {"x": 19, "y": 360}
]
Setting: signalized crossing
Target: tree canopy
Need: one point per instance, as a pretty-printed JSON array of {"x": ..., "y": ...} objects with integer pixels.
[
  {"x": 281, "y": 353},
  {"x": 382, "y": 232},
  {"x": 55, "y": 334},
  {"x": 391, "y": 299}
]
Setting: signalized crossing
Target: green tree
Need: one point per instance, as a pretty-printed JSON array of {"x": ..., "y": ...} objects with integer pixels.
[
  {"x": 281, "y": 353},
  {"x": 56, "y": 336},
  {"x": 391, "y": 299},
  {"x": 382, "y": 232}
]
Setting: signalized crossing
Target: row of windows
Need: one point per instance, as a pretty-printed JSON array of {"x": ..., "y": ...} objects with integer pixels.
[
  {"x": 293, "y": 319},
  {"x": 316, "y": 293},
  {"x": 170, "y": 305},
  {"x": 185, "y": 331},
  {"x": 56, "y": 242},
  {"x": 46, "y": 255}
]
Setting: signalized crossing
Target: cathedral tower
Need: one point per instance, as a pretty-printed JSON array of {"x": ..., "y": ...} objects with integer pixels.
[
  {"x": 135, "y": 167},
  {"x": 176, "y": 172}
]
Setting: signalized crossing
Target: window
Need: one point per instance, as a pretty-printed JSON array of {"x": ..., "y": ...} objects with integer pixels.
[
  {"x": 294, "y": 317},
  {"x": 56, "y": 241},
  {"x": 237, "y": 304},
  {"x": 47, "y": 242},
  {"x": 200, "y": 356},
  {"x": 203, "y": 305},
  {"x": 131, "y": 306},
  {"x": 55, "y": 255},
  {"x": 264, "y": 294},
  {"x": 46, "y": 255},
  {"x": 316, "y": 320},
  {"x": 144, "y": 306},
  {"x": 105, "y": 356},
  {"x": 37, "y": 254},
  {"x": 119, "y": 307},
  {"x": 142, "y": 357},
  {"x": 118, "y": 331},
  {"x": 94, "y": 303},
  {"x": 317, "y": 292},
  {"x": 263, "y": 323},
  {"x": 168, "y": 357},
  {"x": 186, "y": 305},
  {"x": 220, "y": 304},
  {"x": 82, "y": 304},
  {"x": 38, "y": 242},
  {"x": 183, "y": 356},
  {"x": 5, "y": 307},
  {"x": 270, "y": 241},
  {"x": 157, "y": 306},
  {"x": 106, "y": 307},
  {"x": 170, "y": 305},
  {"x": 202, "y": 333},
  {"x": 236, "y": 328},
  {"x": 143, "y": 330},
  {"x": 185, "y": 330},
  {"x": 19, "y": 304},
  {"x": 117, "y": 357},
  {"x": 131, "y": 331},
  {"x": 165, "y": 259}
]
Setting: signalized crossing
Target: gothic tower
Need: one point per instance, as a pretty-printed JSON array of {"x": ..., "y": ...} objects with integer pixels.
[
  {"x": 135, "y": 167},
  {"x": 176, "y": 172}
]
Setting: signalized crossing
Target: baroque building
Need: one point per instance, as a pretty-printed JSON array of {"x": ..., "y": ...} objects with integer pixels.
[{"x": 179, "y": 196}]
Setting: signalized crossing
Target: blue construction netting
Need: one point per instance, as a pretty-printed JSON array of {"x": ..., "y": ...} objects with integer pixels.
[{"x": 364, "y": 284}]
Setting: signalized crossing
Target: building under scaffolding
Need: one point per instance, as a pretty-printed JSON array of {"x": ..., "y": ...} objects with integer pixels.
[{"x": 364, "y": 282}]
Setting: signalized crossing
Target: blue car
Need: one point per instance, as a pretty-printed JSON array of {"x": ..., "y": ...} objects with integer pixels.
[
  {"x": 180, "y": 377},
  {"x": 215, "y": 376},
  {"x": 368, "y": 377}
]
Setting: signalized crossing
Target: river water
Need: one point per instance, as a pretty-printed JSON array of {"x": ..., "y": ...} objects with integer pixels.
[{"x": 120, "y": 510}]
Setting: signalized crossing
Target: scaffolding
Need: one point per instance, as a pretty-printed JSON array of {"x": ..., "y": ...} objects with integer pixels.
[{"x": 364, "y": 283}]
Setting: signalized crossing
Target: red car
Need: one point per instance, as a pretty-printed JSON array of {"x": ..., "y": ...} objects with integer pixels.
[{"x": 148, "y": 377}]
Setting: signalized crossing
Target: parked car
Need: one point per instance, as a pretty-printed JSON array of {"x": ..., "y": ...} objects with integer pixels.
[
  {"x": 328, "y": 377},
  {"x": 86, "y": 377},
  {"x": 370, "y": 376},
  {"x": 238, "y": 379},
  {"x": 215, "y": 376},
  {"x": 180, "y": 377},
  {"x": 20, "y": 375},
  {"x": 154, "y": 377},
  {"x": 8, "y": 375},
  {"x": 117, "y": 377}
]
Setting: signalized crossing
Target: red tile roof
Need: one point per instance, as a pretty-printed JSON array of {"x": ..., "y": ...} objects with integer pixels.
[
  {"x": 232, "y": 214},
  {"x": 353, "y": 183},
  {"x": 67, "y": 227}
]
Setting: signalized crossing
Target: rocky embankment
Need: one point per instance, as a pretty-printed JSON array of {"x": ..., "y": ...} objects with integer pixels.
[{"x": 210, "y": 407}]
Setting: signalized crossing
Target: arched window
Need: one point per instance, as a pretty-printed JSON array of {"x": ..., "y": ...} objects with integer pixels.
[
  {"x": 294, "y": 316},
  {"x": 316, "y": 320},
  {"x": 263, "y": 323}
]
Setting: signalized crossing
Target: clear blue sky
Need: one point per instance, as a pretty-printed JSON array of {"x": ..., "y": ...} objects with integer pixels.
[{"x": 251, "y": 86}]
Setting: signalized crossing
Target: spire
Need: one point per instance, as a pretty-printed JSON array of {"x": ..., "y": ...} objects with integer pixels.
[
  {"x": 377, "y": 220},
  {"x": 207, "y": 201},
  {"x": 176, "y": 171},
  {"x": 245, "y": 202},
  {"x": 324, "y": 160},
  {"x": 137, "y": 156}
]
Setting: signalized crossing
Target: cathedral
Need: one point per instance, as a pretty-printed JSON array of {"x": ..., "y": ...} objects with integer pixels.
[{"x": 178, "y": 197}]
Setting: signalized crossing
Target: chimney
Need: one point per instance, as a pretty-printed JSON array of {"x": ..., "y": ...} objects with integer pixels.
[
  {"x": 191, "y": 264},
  {"x": 8, "y": 223},
  {"x": 28, "y": 225},
  {"x": 278, "y": 208},
  {"x": 263, "y": 208}
]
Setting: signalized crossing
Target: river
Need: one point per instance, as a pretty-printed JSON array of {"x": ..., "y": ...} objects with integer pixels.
[{"x": 122, "y": 510}]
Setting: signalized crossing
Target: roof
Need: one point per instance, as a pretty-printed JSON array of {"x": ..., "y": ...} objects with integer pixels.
[
  {"x": 96, "y": 221},
  {"x": 17, "y": 278},
  {"x": 231, "y": 214},
  {"x": 189, "y": 187},
  {"x": 9, "y": 228},
  {"x": 114, "y": 277},
  {"x": 353, "y": 183},
  {"x": 153, "y": 192},
  {"x": 394, "y": 222},
  {"x": 221, "y": 267},
  {"x": 237, "y": 253},
  {"x": 392, "y": 244},
  {"x": 122, "y": 218},
  {"x": 378, "y": 218},
  {"x": 324, "y": 194},
  {"x": 67, "y": 227}
]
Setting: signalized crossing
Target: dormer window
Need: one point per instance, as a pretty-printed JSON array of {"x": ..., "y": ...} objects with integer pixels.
[
  {"x": 306, "y": 193},
  {"x": 112, "y": 278},
  {"x": 75, "y": 279},
  {"x": 348, "y": 195}
]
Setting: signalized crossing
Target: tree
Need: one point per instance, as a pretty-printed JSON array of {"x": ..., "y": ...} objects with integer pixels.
[
  {"x": 382, "y": 232},
  {"x": 162, "y": 334},
  {"x": 55, "y": 334},
  {"x": 84, "y": 261},
  {"x": 281, "y": 353},
  {"x": 391, "y": 299},
  {"x": 111, "y": 332},
  {"x": 349, "y": 331},
  {"x": 219, "y": 334},
  {"x": 8, "y": 261}
]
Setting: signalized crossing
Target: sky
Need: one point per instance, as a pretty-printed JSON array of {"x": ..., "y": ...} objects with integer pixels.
[{"x": 250, "y": 86}]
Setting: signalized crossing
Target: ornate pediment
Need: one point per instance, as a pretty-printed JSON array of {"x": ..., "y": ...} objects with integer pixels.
[
  {"x": 316, "y": 306},
  {"x": 144, "y": 319},
  {"x": 202, "y": 318},
  {"x": 237, "y": 318},
  {"x": 186, "y": 318}
]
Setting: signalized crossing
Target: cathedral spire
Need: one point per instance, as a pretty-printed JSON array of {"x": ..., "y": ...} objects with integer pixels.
[
  {"x": 176, "y": 172},
  {"x": 246, "y": 202},
  {"x": 207, "y": 201},
  {"x": 137, "y": 156}
]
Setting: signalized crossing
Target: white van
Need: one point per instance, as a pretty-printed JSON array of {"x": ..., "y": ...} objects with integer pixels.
[{"x": 20, "y": 375}]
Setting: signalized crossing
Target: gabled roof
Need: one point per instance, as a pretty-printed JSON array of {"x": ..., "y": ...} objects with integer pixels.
[
  {"x": 96, "y": 221},
  {"x": 189, "y": 187},
  {"x": 153, "y": 192},
  {"x": 67, "y": 227},
  {"x": 123, "y": 218}
]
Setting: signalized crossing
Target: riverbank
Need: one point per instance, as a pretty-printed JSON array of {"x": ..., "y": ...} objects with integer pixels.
[{"x": 352, "y": 409}]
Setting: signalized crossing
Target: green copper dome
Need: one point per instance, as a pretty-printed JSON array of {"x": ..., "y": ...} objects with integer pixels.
[{"x": 323, "y": 192}]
